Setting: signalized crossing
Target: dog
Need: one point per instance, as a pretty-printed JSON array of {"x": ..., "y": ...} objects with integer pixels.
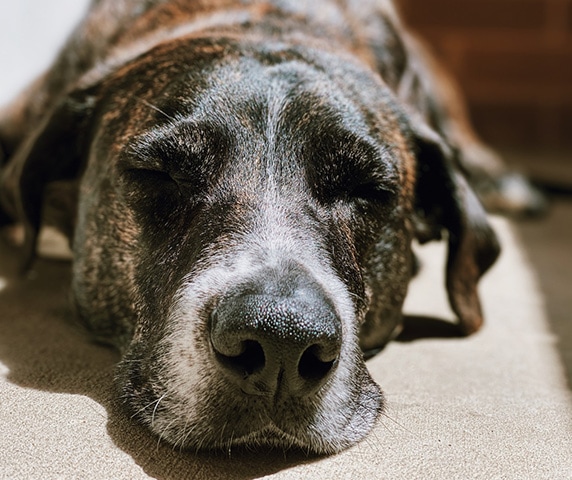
[{"x": 241, "y": 182}]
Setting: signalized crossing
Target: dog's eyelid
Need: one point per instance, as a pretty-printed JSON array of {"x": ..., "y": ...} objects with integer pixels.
[
  {"x": 373, "y": 191},
  {"x": 133, "y": 162},
  {"x": 358, "y": 169},
  {"x": 140, "y": 153},
  {"x": 383, "y": 169},
  {"x": 376, "y": 162},
  {"x": 377, "y": 173}
]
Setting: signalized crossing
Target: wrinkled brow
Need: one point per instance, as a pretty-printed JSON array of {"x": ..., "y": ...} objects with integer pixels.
[
  {"x": 339, "y": 157},
  {"x": 185, "y": 148}
]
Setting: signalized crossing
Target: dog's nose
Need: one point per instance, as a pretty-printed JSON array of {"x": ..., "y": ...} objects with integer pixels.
[{"x": 268, "y": 343}]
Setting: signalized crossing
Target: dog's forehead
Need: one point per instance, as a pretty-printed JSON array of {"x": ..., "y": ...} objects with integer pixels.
[
  {"x": 246, "y": 110},
  {"x": 256, "y": 86}
]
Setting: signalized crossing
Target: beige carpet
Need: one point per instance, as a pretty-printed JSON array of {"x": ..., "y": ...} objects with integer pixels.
[{"x": 494, "y": 405}]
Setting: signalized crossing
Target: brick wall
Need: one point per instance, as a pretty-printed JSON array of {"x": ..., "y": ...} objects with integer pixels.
[{"x": 513, "y": 59}]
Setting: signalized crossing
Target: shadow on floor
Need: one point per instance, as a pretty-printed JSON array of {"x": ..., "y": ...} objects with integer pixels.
[
  {"x": 42, "y": 350},
  {"x": 548, "y": 245}
]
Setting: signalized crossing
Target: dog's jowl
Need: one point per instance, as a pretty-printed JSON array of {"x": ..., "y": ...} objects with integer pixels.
[{"x": 241, "y": 182}]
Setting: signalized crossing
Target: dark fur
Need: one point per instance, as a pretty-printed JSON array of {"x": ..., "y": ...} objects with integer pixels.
[{"x": 172, "y": 138}]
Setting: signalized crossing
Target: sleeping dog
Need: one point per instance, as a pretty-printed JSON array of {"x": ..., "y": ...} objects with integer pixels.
[{"x": 241, "y": 182}]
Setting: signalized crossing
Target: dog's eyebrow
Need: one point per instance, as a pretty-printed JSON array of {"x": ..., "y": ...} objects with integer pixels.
[
  {"x": 346, "y": 158},
  {"x": 185, "y": 149},
  {"x": 184, "y": 138}
]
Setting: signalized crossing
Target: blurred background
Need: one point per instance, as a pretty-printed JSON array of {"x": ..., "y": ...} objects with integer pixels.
[{"x": 513, "y": 60}]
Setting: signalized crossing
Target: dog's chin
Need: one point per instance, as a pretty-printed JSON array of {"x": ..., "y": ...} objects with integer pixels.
[
  {"x": 273, "y": 438},
  {"x": 324, "y": 424},
  {"x": 312, "y": 436}
]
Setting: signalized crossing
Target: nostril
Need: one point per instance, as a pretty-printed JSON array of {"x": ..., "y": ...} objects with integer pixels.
[
  {"x": 250, "y": 360},
  {"x": 268, "y": 342},
  {"x": 313, "y": 366}
]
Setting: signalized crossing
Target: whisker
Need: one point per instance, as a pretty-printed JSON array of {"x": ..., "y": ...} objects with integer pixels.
[
  {"x": 373, "y": 441},
  {"x": 145, "y": 407},
  {"x": 179, "y": 442},
  {"x": 186, "y": 435},
  {"x": 403, "y": 427},
  {"x": 155, "y": 409},
  {"x": 230, "y": 440},
  {"x": 154, "y": 107},
  {"x": 165, "y": 430}
]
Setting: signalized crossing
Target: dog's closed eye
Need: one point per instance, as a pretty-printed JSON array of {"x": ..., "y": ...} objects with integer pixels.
[
  {"x": 354, "y": 170},
  {"x": 189, "y": 152}
]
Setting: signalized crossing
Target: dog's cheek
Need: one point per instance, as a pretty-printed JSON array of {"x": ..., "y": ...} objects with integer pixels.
[
  {"x": 105, "y": 248},
  {"x": 193, "y": 404},
  {"x": 136, "y": 386},
  {"x": 388, "y": 269},
  {"x": 371, "y": 253}
]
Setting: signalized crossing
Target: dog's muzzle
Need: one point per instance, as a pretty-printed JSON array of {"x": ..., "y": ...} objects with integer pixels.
[{"x": 276, "y": 337}]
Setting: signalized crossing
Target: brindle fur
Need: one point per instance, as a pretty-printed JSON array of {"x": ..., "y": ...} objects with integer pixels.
[{"x": 175, "y": 141}]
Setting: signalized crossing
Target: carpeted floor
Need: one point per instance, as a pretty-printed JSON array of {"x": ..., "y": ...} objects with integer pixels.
[
  {"x": 548, "y": 243},
  {"x": 548, "y": 239}
]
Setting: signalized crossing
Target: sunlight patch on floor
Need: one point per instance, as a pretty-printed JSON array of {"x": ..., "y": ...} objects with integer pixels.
[{"x": 52, "y": 244}]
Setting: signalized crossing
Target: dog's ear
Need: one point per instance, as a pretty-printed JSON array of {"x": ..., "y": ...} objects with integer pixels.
[
  {"x": 52, "y": 154},
  {"x": 445, "y": 202}
]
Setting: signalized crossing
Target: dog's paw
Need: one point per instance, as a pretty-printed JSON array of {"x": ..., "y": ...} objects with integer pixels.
[
  {"x": 5, "y": 219},
  {"x": 514, "y": 195}
]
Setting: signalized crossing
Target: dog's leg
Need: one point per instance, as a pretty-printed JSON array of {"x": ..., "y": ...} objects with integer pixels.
[
  {"x": 19, "y": 117},
  {"x": 85, "y": 49},
  {"x": 16, "y": 119}
]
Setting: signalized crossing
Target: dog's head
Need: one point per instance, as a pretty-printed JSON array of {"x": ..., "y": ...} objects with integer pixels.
[{"x": 244, "y": 222}]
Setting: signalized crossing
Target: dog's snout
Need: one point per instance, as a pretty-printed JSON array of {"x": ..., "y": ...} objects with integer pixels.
[{"x": 267, "y": 343}]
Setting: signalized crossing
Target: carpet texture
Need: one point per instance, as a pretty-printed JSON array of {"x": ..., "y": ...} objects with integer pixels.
[{"x": 494, "y": 405}]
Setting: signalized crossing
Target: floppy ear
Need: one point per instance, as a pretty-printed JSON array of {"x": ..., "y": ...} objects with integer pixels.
[
  {"x": 53, "y": 153},
  {"x": 445, "y": 201},
  {"x": 4, "y": 217}
]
